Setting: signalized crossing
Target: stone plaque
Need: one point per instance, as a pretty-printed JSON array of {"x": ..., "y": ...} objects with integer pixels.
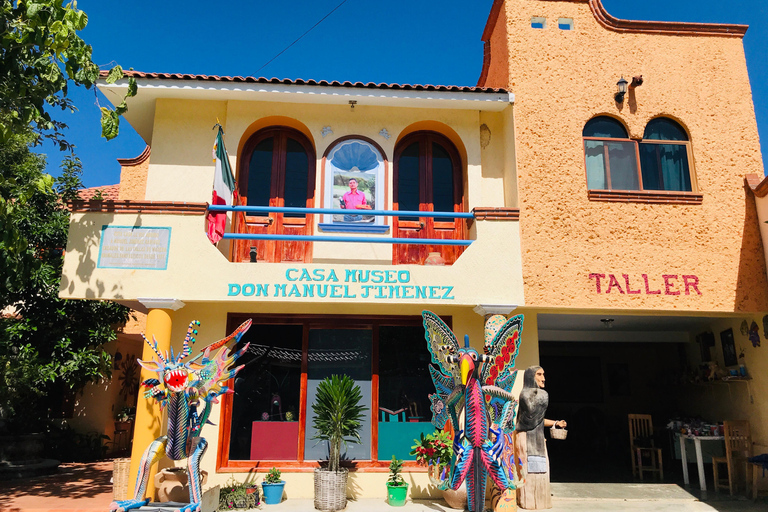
[{"x": 134, "y": 247}]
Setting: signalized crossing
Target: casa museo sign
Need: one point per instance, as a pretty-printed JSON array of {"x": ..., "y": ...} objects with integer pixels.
[
  {"x": 645, "y": 284},
  {"x": 345, "y": 284}
]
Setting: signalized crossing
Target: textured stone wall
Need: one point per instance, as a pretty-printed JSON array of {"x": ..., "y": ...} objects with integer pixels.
[
  {"x": 561, "y": 79},
  {"x": 133, "y": 177}
]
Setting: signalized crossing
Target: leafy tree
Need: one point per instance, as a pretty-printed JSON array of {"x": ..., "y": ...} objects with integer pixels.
[
  {"x": 50, "y": 344},
  {"x": 41, "y": 55}
]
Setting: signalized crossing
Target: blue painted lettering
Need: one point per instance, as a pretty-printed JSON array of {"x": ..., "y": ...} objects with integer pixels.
[
  {"x": 380, "y": 292},
  {"x": 377, "y": 276},
  {"x": 234, "y": 289},
  {"x": 332, "y": 276},
  {"x": 404, "y": 276},
  {"x": 318, "y": 275},
  {"x": 390, "y": 276},
  {"x": 294, "y": 291},
  {"x": 350, "y": 275},
  {"x": 363, "y": 275},
  {"x": 335, "y": 291},
  {"x": 262, "y": 289},
  {"x": 433, "y": 292},
  {"x": 322, "y": 290},
  {"x": 280, "y": 290},
  {"x": 407, "y": 289},
  {"x": 394, "y": 291},
  {"x": 248, "y": 289},
  {"x": 447, "y": 294},
  {"x": 421, "y": 292},
  {"x": 309, "y": 290},
  {"x": 305, "y": 275},
  {"x": 346, "y": 293},
  {"x": 366, "y": 290},
  {"x": 288, "y": 274}
]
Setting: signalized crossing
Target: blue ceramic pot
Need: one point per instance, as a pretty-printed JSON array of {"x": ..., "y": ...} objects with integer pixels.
[{"x": 273, "y": 493}]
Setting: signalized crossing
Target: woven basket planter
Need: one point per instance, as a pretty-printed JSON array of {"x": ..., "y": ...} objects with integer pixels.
[
  {"x": 120, "y": 470},
  {"x": 331, "y": 489}
]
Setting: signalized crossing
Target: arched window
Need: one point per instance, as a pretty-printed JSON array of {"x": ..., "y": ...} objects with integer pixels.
[
  {"x": 660, "y": 161},
  {"x": 611, "y": 157},
  {"x": 427, "y": 178},
  {"x": 664, "y": 156},
  {"x": 276, "y": 168}
]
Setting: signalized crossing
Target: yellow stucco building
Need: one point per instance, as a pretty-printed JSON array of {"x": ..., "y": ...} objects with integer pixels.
[{"x": 618, "y": 223}]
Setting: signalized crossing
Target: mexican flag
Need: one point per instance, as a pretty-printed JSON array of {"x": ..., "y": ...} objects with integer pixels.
[{"x": 224, "y": 191}]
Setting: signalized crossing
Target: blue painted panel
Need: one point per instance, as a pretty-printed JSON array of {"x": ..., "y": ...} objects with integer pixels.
[{"x": 397, "y": 438}]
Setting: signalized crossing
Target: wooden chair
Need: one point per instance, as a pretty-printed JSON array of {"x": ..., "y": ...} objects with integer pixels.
[
  {"x": 738, "y": 449},
  {"x": 390, "y": 416},
  {"x": 641, "y": 443}
]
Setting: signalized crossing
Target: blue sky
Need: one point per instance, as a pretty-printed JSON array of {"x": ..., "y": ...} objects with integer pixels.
[{"x": 402, "y": 41}]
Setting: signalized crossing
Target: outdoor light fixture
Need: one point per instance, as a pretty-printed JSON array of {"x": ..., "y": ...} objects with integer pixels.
[
  {"x": 352, "y": 104},
  {"x": 253, "y": 254},
  {"x": 622, "y": 90},
  {"x": 607, "y": 322}
]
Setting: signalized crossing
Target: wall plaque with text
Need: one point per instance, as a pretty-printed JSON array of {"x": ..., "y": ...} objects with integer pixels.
[{"x": 134, "y": 247}]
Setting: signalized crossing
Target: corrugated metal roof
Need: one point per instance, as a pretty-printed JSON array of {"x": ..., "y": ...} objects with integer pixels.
[{"x": 299, "y": 81}]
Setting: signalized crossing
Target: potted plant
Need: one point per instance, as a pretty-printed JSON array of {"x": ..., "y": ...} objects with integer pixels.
[
  {"x": 273, "y": 487},
  {"x": 436, "y": 452},
  {"x": 397, "y": 488},
  {"x": 238, "y": 495},
  {"x": 337, "y": 419},
  {"x": 124, "y": 418}
]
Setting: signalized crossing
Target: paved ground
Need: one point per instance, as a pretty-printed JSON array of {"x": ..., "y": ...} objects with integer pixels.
[{"x": 87, "y": 488}]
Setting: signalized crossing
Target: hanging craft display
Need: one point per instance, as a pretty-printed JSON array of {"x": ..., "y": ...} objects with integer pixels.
[
  {"x": 181, "y": 388},
  {"x": 476, "y": 388}
]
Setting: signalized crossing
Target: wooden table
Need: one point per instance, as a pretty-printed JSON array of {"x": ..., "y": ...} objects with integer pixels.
[{"x": 699, "y": 462}]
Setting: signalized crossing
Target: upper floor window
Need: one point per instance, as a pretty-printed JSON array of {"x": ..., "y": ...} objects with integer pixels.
[{"x": 615, "y": 162}]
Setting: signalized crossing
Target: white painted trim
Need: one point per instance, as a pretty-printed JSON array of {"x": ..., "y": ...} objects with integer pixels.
[
  {"x": 155, "y": 303},
  {"x": 318, "y": 94},
  {"x": 494, "y": 309}
]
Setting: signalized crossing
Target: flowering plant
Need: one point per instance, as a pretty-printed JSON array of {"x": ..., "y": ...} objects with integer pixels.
[{"x": 433, "y": 449}]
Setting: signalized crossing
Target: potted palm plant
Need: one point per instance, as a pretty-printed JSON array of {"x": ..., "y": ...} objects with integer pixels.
[
  {"x": 337, "y": 419},
  {"x": 397, "y": 488}
]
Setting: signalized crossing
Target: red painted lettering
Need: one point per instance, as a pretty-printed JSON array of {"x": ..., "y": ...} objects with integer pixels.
[
  {"x": 691, "y": 282},
  {"x": 613, "y": 282},
  {"x": 648, "y": 291},
  {"x": 668, "y": 286},
  {"x": 630, "y": 291},
  {"x": 597, "y": 277}
]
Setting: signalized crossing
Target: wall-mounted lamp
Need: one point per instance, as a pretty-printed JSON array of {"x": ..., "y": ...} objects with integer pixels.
[
  {"x": 253, "y": 254},
  {"x": 352, "y": 103},
  {"x": 607, "y": 322},
  {"x": 622, "y": 90}
]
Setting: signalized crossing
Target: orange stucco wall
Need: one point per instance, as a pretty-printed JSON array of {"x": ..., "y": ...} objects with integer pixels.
[
  {"x": 133, "y": 177},
  {"x": 561, "y": 79}
]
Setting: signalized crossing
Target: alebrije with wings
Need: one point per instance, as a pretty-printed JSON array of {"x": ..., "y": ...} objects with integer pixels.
[
  {"x": 465, "y": 391},
  {"x": 181, "y": 388}
]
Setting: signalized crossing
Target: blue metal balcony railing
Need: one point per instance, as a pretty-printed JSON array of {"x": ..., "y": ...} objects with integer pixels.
[{"x": 339, "y": 211}]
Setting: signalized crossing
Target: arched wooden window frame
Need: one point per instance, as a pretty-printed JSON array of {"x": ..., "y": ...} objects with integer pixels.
[
  {"x": 274, "y": 251},
  {"x": 403, "y": 253}
]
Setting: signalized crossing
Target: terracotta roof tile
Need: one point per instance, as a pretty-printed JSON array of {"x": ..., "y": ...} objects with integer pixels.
[
  {"x": 299, "y": 81},
  {"x": 108, "y": 192}
]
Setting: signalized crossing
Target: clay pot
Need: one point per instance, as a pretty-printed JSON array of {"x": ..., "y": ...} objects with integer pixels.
[
  {"x": 456, "y": 499},
  {"x": 171, "y": 484},
  {"x": 434, "y": 258}
]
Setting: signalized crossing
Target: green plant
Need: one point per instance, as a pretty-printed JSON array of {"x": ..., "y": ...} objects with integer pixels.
[
  {"x": 395, "y": 468},
  {"x": 338, "y": 414},
  {"x": 273, "y": 477},
  {"x": 238, "y": 495},
  {"x": 433, "y": 449},
  {"x": 126, "y": 414}
]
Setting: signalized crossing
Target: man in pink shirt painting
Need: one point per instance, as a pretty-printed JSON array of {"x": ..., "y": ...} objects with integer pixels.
[{"x": 353, "y": 200}]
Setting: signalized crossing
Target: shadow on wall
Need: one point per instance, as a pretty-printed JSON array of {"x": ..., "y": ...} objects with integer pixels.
[{"x": 752, "y": 283}]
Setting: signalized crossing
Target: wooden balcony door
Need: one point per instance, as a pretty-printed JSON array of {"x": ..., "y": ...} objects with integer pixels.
[
  {"x": 427, "y": 177},
  {"x": 276, "y": 168}
]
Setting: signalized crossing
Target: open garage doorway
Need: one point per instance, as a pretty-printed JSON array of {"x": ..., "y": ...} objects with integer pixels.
[{"x": 599, "y": 369}]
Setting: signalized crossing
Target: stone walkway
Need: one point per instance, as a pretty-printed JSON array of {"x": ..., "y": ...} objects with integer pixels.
[{"x": 87, "y": 488}]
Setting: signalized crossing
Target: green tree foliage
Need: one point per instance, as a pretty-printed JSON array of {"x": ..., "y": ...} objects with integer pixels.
[
  {"x": 41, "y": 55},
  {"x": 50, "y": 346}
]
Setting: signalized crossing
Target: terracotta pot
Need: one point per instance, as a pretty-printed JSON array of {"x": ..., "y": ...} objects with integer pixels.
[
  {"x": 171, "y": 484},
  {"x": 456, "y": 499},
  {"x": 434, "y": 258}
]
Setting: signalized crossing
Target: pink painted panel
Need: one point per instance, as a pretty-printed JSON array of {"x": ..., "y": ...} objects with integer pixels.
[{"x": 275, "y": 440}]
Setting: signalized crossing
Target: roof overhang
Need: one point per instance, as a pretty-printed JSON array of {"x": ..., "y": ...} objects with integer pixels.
[{"x": 141, "y": 108}]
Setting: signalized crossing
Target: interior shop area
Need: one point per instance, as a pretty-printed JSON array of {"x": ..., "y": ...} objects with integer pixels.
[{"x": 605, "y": 374}]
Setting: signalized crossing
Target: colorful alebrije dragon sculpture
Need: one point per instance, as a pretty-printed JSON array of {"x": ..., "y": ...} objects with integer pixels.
[
  {"x": 484, "y": 396},
  {"x": 181, "y": 389}
]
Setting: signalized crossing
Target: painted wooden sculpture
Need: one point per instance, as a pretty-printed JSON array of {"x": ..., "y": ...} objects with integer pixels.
[
  {"x": 530, "y": 443},
  {"x": 182, "y": 388},
  {"x": 474, "y": 394}
]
